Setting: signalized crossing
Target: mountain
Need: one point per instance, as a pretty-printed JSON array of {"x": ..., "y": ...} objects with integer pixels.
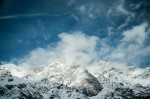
[{"x": 59, "y": 81}]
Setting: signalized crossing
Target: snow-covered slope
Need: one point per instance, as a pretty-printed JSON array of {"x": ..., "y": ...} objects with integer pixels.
[
  {"x": 57, "y": 80},
  {"x": 15, "y": 71},
  {"x": 121, "y": 81},
  {"x": 74, "y": 76},
  {"x": 28, "y": 87}
]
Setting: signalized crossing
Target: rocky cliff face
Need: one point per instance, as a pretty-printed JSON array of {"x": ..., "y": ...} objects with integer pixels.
[{"x": 58, "y": 81}]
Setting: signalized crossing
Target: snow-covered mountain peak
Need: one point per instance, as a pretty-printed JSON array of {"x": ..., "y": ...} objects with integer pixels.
[
  {"x": 57, "y": 64},
  {"x": 104, "y": 80},
  {"x": 78, "y": 77},
  {"x": 15, "y": 70}
]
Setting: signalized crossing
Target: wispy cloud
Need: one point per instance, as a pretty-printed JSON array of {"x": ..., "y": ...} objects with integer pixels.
[
  {"x": 127, "y": 21},
  {"x": 26, "y": 15},
  {"x": 119, "y": 9},
  {"x": 87, "y": 9}
]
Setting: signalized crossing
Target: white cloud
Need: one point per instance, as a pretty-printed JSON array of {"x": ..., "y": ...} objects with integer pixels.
[
  {"x": 137, "y": 34},
  {"x": 76, "y": 47},
  {"x": 131, "y": 49},
  {"x": 82, "y": 49}
]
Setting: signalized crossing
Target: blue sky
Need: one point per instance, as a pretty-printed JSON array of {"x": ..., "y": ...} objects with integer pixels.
[{"x": 120, "y": 27}]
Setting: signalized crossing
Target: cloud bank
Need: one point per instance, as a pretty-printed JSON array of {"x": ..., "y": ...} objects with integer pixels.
[{"x": 80, "y": 48}]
